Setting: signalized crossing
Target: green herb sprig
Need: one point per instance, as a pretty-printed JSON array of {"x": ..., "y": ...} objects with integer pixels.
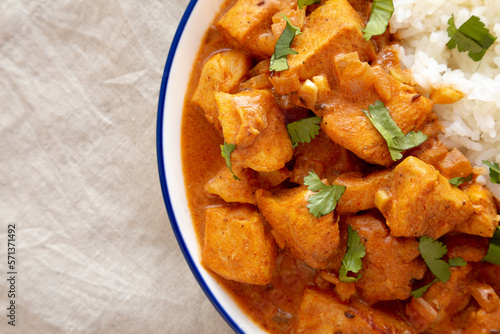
[
  {"x": 472, "y": 36},
  {"x": 283, "y": 47},
  {"x": 226, "y": 151},
  {"x": 494, "y": 171},
  {"x": 304, "y": 130},
  {"x": 493, "y": 255},
  {"x": 380, "y": 15},
  {"x": 326, "y": 197},
  {"x": 351, "y": 262},
  {"x": 432, "y": 252},
  {"x": 397, "y": 141},
  {"x": 302, "y": 3}
]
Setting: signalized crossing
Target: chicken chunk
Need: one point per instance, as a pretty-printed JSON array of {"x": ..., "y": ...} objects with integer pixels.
[
  {"x": 483, "y": 222},
  {"x": 390, "y": 263},
  {"x": 420, "y": 201},
  {"x": 324, "y": 157},
  {"x": 313, "y": 240},
  {"x": 441, "y": 302},
  {"x": 360, "y": 190},
  {"x": 254, "y": 122},
  {"x": 236, "y": 245},
  {"x": 229, "y": 189},
  {"x": 324, "y": 313},
  {"x": 322, "y": 38},
  {"x": 345, "y": 122},
  {"x": 249, "y": 22},
  {"x": 471, "y": 248},
  {"x": 223, "y": 72}
]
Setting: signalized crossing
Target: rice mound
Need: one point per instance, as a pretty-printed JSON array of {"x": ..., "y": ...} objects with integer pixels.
[{"x": 473, "y": 123}]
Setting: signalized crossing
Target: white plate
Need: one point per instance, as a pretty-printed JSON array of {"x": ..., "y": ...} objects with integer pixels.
[{"x": 185, "y": 45}]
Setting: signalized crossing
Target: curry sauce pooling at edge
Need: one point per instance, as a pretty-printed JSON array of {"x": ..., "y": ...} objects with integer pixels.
[{"x": 323, "y": 198}]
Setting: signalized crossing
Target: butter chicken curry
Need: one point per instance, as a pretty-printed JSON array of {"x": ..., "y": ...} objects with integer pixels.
[{"x": 322, "y": 195}]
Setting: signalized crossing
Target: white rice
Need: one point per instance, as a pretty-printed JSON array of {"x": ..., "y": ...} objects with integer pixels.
[{"x": 473, "y": 123}]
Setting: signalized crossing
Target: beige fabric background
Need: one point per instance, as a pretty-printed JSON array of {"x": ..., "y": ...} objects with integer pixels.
[{"x": 79, "y": 83}]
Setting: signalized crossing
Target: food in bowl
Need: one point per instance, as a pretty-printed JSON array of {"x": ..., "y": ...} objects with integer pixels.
[{"x": 325, "y": 196}]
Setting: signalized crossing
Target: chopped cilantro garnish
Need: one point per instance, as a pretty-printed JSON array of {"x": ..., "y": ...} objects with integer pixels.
[
  {"x": 472, "y": 36},
  {"x": 226, "y": 151},
  {"x": 304, "y": 130},
  {"x": 417, "y": 293},
  {"x": 493, "y": 255},
  {"x": 282, "y": 47},
  {"x": 379, "y": 18},
  {"x": 432, "y": 251},
  {"x": 326, "y": 197},
  {"x": 351, "y": 262},
  {"x": 303, "y": 3},
  {"x": 396, "y": 140},
  {"x": 494, "y": 171},
  {"x": 457, "y": 262},
  {"x": 457, "y": 181}
]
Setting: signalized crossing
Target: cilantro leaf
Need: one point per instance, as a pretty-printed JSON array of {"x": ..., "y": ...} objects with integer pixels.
[
  {"x": 457, "y": 262},
  {"x": 432, "y": 251},
  {"x": 379, "y": 18},
  {"x": 420, "y": 291},
  {"x": 457, "y": 181},
  {"x": 303, "y": 3},
  {"x": 472, "y": 36},
  {"x": 326, "y": 197},
  {"x": 396, "y": 140},
  {"x": 494, "y": 171},
  {"x": 351, "y": 262},
  {"x": 493, "y": 255},
  {"x": 226, "y": 151},
  {"x": 304, "y": 130},
  {"x": 282, "y": 47}
]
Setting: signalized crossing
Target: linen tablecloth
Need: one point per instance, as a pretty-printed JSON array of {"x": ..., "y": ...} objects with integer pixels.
[{"x": 93, "y": 249}]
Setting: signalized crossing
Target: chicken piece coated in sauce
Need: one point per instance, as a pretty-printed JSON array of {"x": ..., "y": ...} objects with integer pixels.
[
  {"x": 441, "y": 302},
  {"x": 483, "y": 222},
  {"x": 255, "y": 123},
  {"x": 231, "y": 190},
  {"x": 360, "y": 191},
  {"x": 390, "y": 263},
  {"x": 420, "y": 201},
  {"x": 236, "y": 245},
  {"x": 313, "y": 240},
  {"x": 331, "y": 29},
  {"x": 222, "y": 72},
  {"x": 345, "y": 122},
  {"x": 325, "y": 157},
  {"x": 249, "y": 23},
  {"x": 323, "y": 313}
]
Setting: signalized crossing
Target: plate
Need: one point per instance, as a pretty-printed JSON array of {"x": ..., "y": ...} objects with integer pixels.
[{"x": 197, "y": 18}]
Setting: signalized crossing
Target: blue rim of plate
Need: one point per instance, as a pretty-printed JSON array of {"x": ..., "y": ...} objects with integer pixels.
[{"x": 161, "y": 169}]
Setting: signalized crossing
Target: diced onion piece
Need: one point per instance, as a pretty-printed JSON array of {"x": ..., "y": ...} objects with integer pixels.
[
  {"x": 382, "y": 197},
  {"x": 285, "y": 83},
  {"x": 485, "y": 296},
  {"x": 354, "y": 75},
  {"x": 308, "y": 94},
  {"x": 421, "y": 314},
  {"x": 446, "y": 95},
  {"x": 401, "y": 75},
  {"x": 321, "y": 81}
]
